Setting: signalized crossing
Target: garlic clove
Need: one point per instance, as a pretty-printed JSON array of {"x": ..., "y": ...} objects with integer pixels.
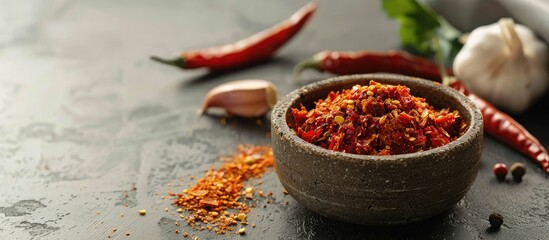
[{"x": 244, "y": 98}]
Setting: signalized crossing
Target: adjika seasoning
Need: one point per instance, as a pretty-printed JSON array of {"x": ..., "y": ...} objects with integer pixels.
[
  {"x": 222, "y": 189},
  {"x": 377, "y": 120}
]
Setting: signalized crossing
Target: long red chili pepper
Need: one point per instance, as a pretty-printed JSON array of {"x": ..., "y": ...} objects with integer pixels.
[
  {"x": 343, "y": 63},
  {"x": 496, "y": 123},
  {"x": 506, "y": 129},
  {"x": 257, "y": 47}
]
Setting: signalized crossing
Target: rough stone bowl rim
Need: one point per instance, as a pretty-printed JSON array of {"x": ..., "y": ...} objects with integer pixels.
[{"x": 284, "y": 105}]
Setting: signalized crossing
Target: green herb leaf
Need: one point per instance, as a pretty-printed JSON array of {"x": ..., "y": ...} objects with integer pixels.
[{"x": 419, "y": 24}]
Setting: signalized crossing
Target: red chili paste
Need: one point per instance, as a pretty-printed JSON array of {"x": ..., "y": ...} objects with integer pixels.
[{"x": 377, "y": 120}]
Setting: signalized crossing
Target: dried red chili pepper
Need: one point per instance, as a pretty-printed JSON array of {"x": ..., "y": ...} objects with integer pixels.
[
  {"x": 344, "y": 63},
  {"x": 259, "y": 46},
  {"x": 504, "y": 128},
  {"x": 496, "y": 123}
]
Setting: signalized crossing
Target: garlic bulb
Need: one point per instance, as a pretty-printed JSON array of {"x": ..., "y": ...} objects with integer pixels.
[
  {"x": 505, "y": 64},
  {"x": 244, "y": 98}
]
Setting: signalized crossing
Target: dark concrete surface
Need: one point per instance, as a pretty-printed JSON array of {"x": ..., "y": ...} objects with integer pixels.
[{"x": 91, "y": 129}]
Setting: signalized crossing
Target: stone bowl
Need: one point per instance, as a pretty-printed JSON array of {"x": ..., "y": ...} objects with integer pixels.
[{"x": 377, "y": 190}]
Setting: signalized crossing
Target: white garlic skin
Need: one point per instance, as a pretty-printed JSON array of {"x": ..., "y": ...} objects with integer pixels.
[
  {"x": 244, "y": 98},
  {"x": 509, "y": 78}
]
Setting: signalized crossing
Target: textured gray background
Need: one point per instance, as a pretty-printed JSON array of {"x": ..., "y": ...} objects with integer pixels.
[{"x": 85, "y": 117}]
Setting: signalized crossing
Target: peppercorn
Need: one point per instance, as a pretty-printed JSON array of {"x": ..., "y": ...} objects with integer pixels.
[
  {"x": 500, "y": 170},
  {"x": 495, "y": 220},
  {"x": 518, "y": 170}
]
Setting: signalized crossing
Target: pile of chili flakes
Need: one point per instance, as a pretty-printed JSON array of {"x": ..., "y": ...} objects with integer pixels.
[
  {"x": 222, "y": 190},
  {"x": 377, "y": 120}
]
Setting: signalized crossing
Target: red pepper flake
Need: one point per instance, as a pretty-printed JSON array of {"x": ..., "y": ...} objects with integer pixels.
[
  {"x": 249, "y": 196},
  {"x": 223, "y": 189},
  {"x": 199, "y": 193},
  {"x": 377, "y": 119},
  {"x": 210, "y": 202}
]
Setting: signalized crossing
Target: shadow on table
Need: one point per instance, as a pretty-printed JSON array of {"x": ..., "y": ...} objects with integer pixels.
[
  {"x": 212, "y": 75},
  {"x": 306, "y": 224}
]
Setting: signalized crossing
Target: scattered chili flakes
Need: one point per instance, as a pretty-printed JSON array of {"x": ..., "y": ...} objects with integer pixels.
[
  {"x": 249, "y": 196},
  {"x": 285, "y": 191},
  {"x": 142, "y": 212},
  {"x": 377, "y": 120},
  {"x": 241, "y": 216},
  {"x": 222, "y": 189},
  {"x": 200, "y": 193}
]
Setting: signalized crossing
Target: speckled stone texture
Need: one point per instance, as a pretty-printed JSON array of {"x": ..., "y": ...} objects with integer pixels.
[
  {"x": 377, "y": 190},
  {"x": 90, "y": 128}
]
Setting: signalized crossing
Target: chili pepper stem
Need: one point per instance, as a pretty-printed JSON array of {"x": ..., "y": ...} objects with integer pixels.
[
  {"x": 446, "y": 80},
  {"x": 306, "y": 64},
  {"x": 178, "y": 62}
]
